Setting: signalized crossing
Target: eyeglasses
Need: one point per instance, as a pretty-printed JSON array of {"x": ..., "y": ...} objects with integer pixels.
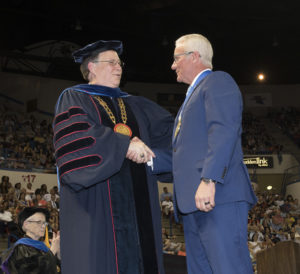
[
  {"x": 112, "y": 62},
  {"x": 38, "y": 222},
  {"x": 176, "y": 57}
]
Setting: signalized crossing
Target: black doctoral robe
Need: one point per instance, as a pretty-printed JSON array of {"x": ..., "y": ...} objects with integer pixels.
[
  {"x": 109, "y": 208},
  {"x": 29, "y": 256}
]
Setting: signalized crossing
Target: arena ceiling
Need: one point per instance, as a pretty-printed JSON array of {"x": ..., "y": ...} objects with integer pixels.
[{"x": 247, "y": 36}]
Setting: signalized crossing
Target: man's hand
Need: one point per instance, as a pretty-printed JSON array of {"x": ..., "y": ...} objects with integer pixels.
[
  {"x": 55, "y": 244},
  {"x": 139, "y": 152},
  {"x": 205, "y": 196}
]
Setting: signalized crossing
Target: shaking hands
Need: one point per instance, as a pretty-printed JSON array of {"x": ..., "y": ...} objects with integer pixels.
[{"x": 139, "y": 152}]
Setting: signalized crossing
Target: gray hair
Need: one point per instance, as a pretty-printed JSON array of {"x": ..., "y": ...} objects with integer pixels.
[
  {"x": 84, "y": 66},
  {"x": 197, "y": 42}
]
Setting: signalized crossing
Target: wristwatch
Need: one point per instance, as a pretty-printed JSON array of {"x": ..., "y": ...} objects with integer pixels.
[{"x": 207, "y": 181}]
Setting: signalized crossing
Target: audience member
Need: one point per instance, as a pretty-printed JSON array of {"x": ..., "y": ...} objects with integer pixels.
[
  {"x": 38, "y": 201},
  {"x": 29, "y": 189},
  {"x": 17, "y": 190},
  {"x": 271, "y": 221},
  {"x": 182, "y": 251},
  {"x": 44, "y": 190},
  {"x": 4, "y": 185},
  {"x": 47, "y": 196},
  {"x": 10, "y": 207},
  {"x": 288, "y": 120},
  {"x": 165, "y": 194},
  {"x": 22, "y": 201},
  {"x": 5, "y": 218},
  {"x": 30, "y": 254},
  {"x": 24, "y": 142},
  {"x": 255, "y": 137},
  {"x": 167, "y": 206},
  {"x": 170, "y": 246}
]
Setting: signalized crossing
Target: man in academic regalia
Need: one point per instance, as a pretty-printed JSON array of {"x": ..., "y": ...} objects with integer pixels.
[
  {"x": 109, "y": 207},
  {"x": 30, "y": 255}
]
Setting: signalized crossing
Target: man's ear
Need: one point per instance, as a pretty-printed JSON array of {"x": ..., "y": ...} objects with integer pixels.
[
  {"x": 91, "y": 66},
  {"x": 24, "y": 226},
  {"x": 196, "y": 56}
]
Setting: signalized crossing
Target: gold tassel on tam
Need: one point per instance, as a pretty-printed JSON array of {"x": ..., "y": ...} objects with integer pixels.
[{"x": 46, "y": 241}]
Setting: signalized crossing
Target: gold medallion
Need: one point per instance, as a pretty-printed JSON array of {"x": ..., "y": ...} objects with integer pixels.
[{"x": 123, "y": 129}]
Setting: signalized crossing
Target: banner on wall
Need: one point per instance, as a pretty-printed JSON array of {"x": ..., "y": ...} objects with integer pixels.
[{"x": 259, "y": 162}]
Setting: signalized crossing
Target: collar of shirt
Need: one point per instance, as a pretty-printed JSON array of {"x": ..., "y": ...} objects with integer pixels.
[{"x": 197, "y": 76}]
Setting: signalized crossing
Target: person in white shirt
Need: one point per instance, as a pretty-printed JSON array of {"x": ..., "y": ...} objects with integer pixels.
[
  {"x": 47, "y": 196},
  {"x": 167, "y": 206}
]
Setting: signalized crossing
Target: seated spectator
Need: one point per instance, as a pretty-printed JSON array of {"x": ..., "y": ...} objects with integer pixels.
[
  {"x": 289, "y": 198},
  {"x": 297, "y": 226},
  {"x": 295, "y": 237},
  {"x": 279, "y": 200},
  {"x": 17, "y": 190},
  {"x": 288, "y": 121},
  {"x": 5, "y": 218},
  {"x": 29, "y": 254},
  {"x": 290, "y": 221},
  {"x": 28, "y": 197},
  {"x": 182, "y": 251},
  {"x": 52, "y": 205},
  {"x": 4, "y": 185},
  {"x": 281, "y": 235},
  {"x": 266, "y": 220},
  {"x": 22, "y": 201},
  {"x": 165, "y": 234},
  {"x": 24, "y": 143},
  {"x": 54, "y": 201},
  {"x": 295, "y": 207},
  {"x": 38, "y": 201},
  {"x": 55, "y": 188},
  {"x": 171, "y": 247},
  {"x": 44, "y": 190},
  {"x": 11, "y": 197},
  {"x": 255, "y": 138},
  {"x": 286, "y": 207},
  {"x": 29, "y": 189},
  {"x": 54, "y": 219},
  {"x": 277, "y": 221},
  {"x": 254, "y": 246},
  {"x": 47, "y": 196},
  {"x": 269, "y": 223},
  {"x": 268, "y": 242},
  {"x": 165, "y": 194},
  {"x": 167, "y": 206}
]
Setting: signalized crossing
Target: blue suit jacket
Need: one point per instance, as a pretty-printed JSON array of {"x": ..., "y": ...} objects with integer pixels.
[{"x": 209, "y": 144}]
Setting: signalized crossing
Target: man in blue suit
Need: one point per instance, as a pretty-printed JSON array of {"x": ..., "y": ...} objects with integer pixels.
[{"x": 211, "y": 184}]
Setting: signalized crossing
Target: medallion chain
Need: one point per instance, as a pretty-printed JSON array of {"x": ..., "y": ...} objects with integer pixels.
[{"x": 110, "y": 113}]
